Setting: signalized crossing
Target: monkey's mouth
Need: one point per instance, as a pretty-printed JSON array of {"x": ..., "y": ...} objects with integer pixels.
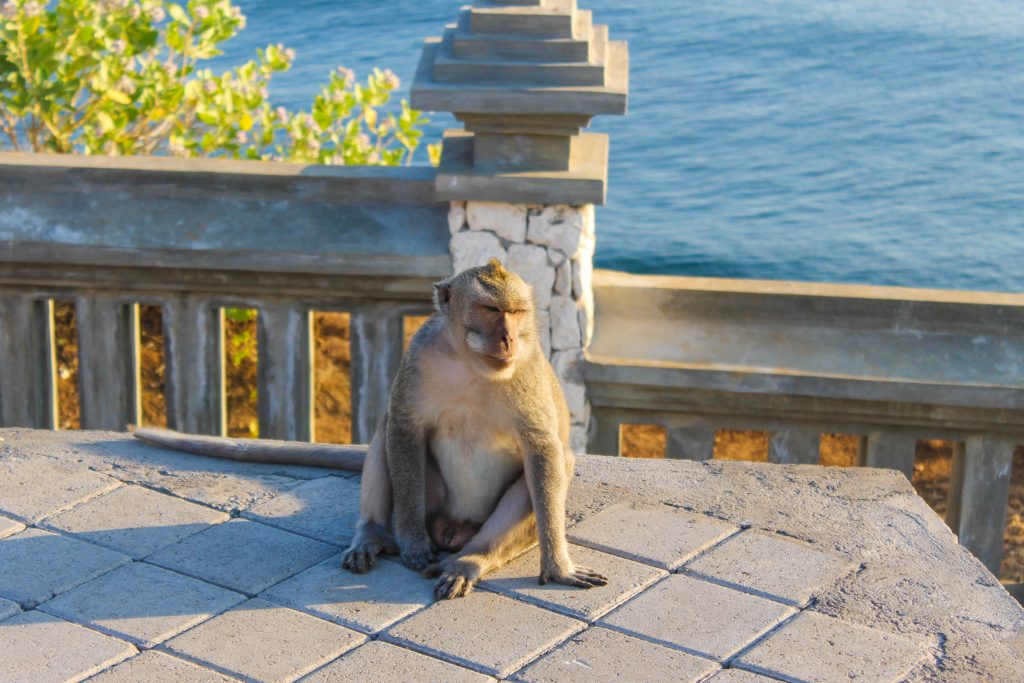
[{"x": 500, "y": 361}]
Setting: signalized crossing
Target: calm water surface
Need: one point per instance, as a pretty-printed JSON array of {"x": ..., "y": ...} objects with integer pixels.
[{"x": 848, "y": 141}]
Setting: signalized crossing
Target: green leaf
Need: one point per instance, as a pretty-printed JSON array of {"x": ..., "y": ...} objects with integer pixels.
[
  {"x": 178, "y": 14},
  {"x": 117, "y": 96},
  {"x": 106, "y": 122}
]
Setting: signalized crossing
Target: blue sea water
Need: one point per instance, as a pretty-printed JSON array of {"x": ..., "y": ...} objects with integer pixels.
[{"x": 863, "y": 141}]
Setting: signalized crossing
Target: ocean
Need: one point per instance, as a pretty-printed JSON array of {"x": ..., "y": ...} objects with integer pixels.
[{"x": 860, "y": 141}]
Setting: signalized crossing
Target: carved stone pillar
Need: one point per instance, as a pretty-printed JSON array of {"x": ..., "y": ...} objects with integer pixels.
[{"x": 525, "y": 77}]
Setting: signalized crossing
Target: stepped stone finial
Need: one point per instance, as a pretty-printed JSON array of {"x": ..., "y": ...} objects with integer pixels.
[{"x": 524, "y": 77}]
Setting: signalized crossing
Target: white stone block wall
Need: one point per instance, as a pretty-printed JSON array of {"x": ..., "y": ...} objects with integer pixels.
[{"x": 552, "y": 248}]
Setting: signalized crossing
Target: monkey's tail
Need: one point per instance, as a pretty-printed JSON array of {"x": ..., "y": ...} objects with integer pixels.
[{"x": 333, "y": 456}]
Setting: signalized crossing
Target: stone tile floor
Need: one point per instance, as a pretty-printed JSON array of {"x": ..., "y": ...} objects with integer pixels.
[{"x": 104, "y": 573}]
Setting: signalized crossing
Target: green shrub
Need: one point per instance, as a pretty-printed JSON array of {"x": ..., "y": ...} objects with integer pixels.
[{"x": 125, "y": 77}]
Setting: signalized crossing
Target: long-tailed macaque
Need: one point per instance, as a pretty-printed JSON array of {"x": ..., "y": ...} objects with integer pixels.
[{"x": 473, "y": 454}]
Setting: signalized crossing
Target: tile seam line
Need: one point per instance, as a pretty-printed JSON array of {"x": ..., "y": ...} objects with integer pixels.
[
  {"x": 233, "y": 513},
  {"x": 621, "y": 605},
  {"x": 76, "y": 536},
  {"x": 138, "y": 654},
  {"x": 267, "y": 522},
  {"x": 624, "y": 554},
  {"x": 589, "y": 627},
  {"x": 147, "y": 559},
  {"x": 141, "y": 648},
  {"x": 589, "y": 620},
  {"x": 131, "y": 640},
  {"x": 682, "y": 571},
  {"x": 738, "y": 529},
  {"x": 100, "y": 575},
  {"x": 165, "y": 649},
  {"x": 385, "y": 636},
  {"x": 305, "y": 610},
  {"x": 663, "y": 643},
  {"x": 138, "y": 650},
  {"x": 762, "y": 638},
  {"x": 28, "y": 521}
]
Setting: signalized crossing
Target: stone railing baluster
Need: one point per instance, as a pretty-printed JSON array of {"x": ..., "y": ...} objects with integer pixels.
[
  {"x": 285, "y": 339},
  {"x": 894, "y": 450},
  {"x": 28, "y": 396},
  {"x": 108, "y": 364},
  {"x": 691, "y": 442},
  {"x": 796, "y": 445},
  {"x": 606, "y": 439},
  {"x": 375, "y": 340},
  {"x": 979, "y": 489},
  {"x": 194, "y": 334}
]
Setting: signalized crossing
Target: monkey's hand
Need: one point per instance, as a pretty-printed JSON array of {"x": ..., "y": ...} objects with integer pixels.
[
  {"x": 457, "y": 577},
  {"x": 417, "y": 552},
  {"x": 580, "y": 577}
]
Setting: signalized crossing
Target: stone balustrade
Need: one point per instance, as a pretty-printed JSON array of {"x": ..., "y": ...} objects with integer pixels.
[
  {"x": 194, "y": 237},
  {"x": 888, "y": 364}
]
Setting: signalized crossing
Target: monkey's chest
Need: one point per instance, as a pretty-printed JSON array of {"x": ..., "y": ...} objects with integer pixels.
[{"x": 478, "y": 463}]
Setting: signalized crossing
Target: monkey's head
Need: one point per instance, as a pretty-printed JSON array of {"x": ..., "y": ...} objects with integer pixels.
[{"x": 490, "y": 313}]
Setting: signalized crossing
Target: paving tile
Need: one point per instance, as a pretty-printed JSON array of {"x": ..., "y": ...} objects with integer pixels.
[
  {"x": 9, "y": 526},
  {"x": 698, "y": 617},
  {"x": 40, "y": 648},
  {"x": 36, "y": 488},
  {"x": 157, "y": 667},
  {"x": 626, "y": 578},
  {"x": 386, "y": 663},
  {"x": 598, "y": 655},
  {"x": 515, "y": 632},
  {"x": 142, "y": 603},
  {"x": 326, "y": 509},
  {"x": 265, "y": 642},
  {"x": 242, "y": 555},
  {"x": 817, "y": 649},
  {"x": 135, "y": 520},
  {"x": 770, "y": 565},
  {"x": 36, "y": 565},
  {"x": 739, "y": 676},
  {"x": 663, "y": 536},
  {"x": 8, "y": 608},
  {"x": 366, "y": 602}
]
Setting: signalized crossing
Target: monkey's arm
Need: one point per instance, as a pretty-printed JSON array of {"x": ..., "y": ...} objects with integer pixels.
[
  {"x": 547, "y": 478},
  {"x": 406, "y": 455},
  {"x": 336, "y": 457}
]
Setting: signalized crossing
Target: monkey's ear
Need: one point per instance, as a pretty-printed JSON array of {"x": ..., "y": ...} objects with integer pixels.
[{"x": 443, "y": 296}]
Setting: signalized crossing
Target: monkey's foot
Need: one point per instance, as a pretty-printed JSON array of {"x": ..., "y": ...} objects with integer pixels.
[
  {"x": 580, "y": 577},
  {"x": 457, "y": 578},
  {"x": 370, "y": 541},
  {"x": 416, "y": 554}
]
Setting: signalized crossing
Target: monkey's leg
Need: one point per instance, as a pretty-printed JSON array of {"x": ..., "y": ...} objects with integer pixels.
[
  {"x": 509, "y": 531},
  {"x": 372, "y": 536},
  {"x": 549, "y": 488}
]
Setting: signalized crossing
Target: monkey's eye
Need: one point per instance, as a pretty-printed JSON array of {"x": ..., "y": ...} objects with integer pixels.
[{"x": 492, "y": 309}]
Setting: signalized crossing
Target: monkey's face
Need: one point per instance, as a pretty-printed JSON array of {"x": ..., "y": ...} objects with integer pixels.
[
  {"x": 490, "y": 314},
  {"x": 495, "y": 330}
]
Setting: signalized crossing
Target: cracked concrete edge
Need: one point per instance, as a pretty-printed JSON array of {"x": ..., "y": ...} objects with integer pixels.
[{"x": 911, "y": 577}]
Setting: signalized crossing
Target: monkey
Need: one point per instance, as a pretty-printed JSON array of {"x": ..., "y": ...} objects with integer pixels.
[{"x": 472, "y": 456}]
